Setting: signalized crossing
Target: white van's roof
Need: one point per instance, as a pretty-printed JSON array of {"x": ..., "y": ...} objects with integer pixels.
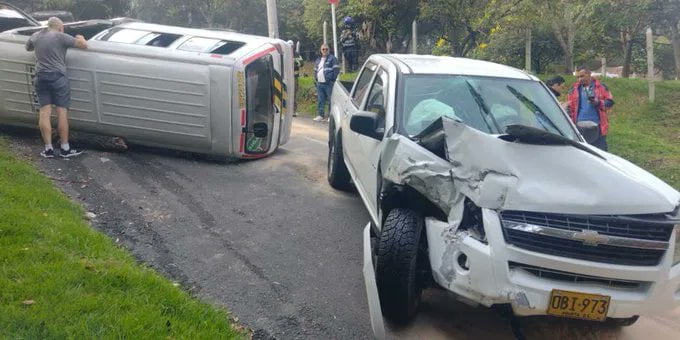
[
  {"x": 428, "y": 64},
  {"x": 216, "y": 34}
]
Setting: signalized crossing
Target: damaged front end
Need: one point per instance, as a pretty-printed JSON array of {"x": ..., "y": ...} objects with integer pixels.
[{"x": 472, "y": 178}]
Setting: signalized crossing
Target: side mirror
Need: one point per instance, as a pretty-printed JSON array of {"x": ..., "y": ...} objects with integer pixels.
[
  {"x": 589, "y": 130},
  {"x": 261, "y": 130},
  {"x": 367, "y": 123}
]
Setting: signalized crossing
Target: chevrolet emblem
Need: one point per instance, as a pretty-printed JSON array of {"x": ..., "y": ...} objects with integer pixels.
[{"x": 590, "y": 238}]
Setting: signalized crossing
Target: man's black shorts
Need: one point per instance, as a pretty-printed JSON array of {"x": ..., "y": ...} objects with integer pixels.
[{"x": 52, "y": 88}]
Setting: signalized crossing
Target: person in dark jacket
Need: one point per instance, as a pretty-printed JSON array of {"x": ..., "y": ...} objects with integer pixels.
[
  {"x": 350, "y": 48},
  {"x": 556, "y": 85},
  {"x": 326, "y": 70},
  {"x": 590, "y": 101}
]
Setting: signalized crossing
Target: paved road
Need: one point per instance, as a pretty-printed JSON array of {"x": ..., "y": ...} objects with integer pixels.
[{"x": 271, "y": 241}]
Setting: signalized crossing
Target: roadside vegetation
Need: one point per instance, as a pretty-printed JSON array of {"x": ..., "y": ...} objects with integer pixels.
[
  {"x": 643, "y": 133},
  {"x": 60, "y": 278}
]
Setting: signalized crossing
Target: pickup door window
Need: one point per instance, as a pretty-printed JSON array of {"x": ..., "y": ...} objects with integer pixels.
[
  {"x": 377, "y": 97},
  {"x": 362, "y": 84}
]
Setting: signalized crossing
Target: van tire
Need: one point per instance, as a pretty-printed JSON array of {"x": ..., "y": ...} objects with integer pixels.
[
  {"x": 622, "y": 322},
  {"x": 398, "y": 264},
  {"x": 338, "y": 175}
]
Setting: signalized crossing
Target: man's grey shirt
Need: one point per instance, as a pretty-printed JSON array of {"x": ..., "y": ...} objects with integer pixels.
[{"x": 50, "y": 50}]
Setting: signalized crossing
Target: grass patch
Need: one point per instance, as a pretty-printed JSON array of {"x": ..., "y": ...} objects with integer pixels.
[{"x": 59, "y": 278}]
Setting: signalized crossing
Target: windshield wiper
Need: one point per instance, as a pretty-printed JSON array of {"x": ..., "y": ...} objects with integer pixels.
[
  {"x": 482, "y": 106},
  {"x": 537, "y": 110},
  {"x": 532, "y": 135}
]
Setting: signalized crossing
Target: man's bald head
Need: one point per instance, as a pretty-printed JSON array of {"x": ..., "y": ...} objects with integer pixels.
[{"x": 55, "y": 24}]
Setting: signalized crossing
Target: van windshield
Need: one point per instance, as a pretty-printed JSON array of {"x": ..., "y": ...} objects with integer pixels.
[{"x": 484, "y": 103}]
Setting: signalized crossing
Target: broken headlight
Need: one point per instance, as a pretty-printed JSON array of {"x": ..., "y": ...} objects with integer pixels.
[
  {"x": 676, "y": 255},
  {"x": 473, "y": 221}
]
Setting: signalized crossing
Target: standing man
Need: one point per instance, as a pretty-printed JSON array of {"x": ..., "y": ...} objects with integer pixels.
[
  {"x": 590, "y": 101},
  {"x": 326, "y": 70},
  {"x": 51, "y": 82},
  {"x": 350, "y": 48}
]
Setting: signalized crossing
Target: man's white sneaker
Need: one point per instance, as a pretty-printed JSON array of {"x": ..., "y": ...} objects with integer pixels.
[
  {"x": 318, "y": 119},
  {"x": 70, "y": 153}
]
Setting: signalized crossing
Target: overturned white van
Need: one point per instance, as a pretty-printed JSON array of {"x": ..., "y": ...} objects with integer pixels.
[{"x": 212, "y": 92}]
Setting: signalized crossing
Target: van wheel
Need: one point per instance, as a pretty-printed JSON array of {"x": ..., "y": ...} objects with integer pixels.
[
  {"x": 401, "y": 257},
  {"x": 622, "y": 322},
  {"x": 338, "y": 176}
]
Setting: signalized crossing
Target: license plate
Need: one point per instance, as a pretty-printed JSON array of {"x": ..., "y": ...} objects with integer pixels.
[{"x": 578, "y": 305}]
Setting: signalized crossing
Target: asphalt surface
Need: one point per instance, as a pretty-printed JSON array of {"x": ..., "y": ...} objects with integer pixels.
[{"x": 271, "y": 241}]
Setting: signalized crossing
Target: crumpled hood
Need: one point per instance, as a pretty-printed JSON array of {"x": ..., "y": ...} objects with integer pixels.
[{"x": 498, "y": 174}]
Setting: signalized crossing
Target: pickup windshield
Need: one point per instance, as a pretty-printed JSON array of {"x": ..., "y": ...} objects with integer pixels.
[{"x": 484, "y": 103}]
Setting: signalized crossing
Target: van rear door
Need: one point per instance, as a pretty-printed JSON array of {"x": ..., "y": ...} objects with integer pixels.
[{"x": 264, "y": 108}]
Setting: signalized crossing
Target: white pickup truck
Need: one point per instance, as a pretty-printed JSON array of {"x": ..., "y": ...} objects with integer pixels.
[{"x": 478, "y": 183}]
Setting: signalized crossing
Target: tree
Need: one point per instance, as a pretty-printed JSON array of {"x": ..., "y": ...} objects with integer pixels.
[
  {"x": 506, "y": 45},
  {"x": 626, "y": 20},
  {"x": 209, "y": 9},
  {"x": 565, "y": 17},
  {"x": 388, "y": 22},
  {"x": 666, "y": 19},
  {"x": 465, "y": 23}
]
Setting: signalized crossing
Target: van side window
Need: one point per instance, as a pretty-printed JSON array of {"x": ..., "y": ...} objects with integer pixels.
[
  {"x": 124, "y": 35},
  {"x": 158, "y": 39},
  {"x": 137, "y": 37},
  {"x": 227, "y": 47},
  {"x": 362, "y": 85},
  {"x": 207, "y": 45}
]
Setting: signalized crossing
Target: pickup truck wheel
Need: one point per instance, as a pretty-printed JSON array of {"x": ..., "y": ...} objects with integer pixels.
[
  {"x": 399, "y": 260},
  {"x": 622, "y": 322},
  {"x": 338, "y": 176}
]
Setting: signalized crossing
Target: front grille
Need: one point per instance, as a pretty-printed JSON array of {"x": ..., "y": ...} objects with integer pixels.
[
  {"x": 575, "y": 278},
  {"x": 604, "y": 225}
]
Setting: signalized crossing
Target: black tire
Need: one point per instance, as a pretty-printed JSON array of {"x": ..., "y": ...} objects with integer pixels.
[
  {"x": 400, "y": 260},
  {"x": 338, "y": 176},
  {"x": 622, "y": 322}
]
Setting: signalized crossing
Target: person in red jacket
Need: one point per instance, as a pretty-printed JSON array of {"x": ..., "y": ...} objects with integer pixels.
[{"x": 590, "y": 101}]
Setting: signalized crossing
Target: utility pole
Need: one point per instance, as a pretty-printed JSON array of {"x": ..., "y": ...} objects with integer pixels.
[
  {"x": 650, "y": 63},
  {"x": 272, "y": 19},
  {"x": 325, "y": 32},
  {"x": 604, "y": 67},
  {"x": 335, "y": 30},
  {"x": 414, "y": 37},
  {"x": 527, "y": 50}
]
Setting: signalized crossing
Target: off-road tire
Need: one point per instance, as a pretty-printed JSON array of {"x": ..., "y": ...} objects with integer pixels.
[
  {"x": 398, "y": 264},
  {"x": 622, "y": 322},
  {"x": 338, "y": 175}
]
